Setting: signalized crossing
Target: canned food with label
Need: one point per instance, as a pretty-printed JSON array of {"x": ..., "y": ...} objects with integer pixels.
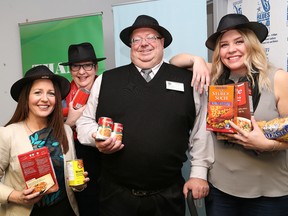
[
  {"x": 117, "y": 131},
  {"x": 75, "y": 170},
  {"x": 104, "y": 128},
  {"x": 80, "y": 98}
]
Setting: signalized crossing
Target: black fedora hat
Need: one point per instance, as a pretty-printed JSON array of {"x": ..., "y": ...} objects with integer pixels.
[
  {"x": 144, "y": 21},
  {"x": 236, "y": 21},
  {"x": 80, "y": 53},
  {"x": 40, "y": 72}
]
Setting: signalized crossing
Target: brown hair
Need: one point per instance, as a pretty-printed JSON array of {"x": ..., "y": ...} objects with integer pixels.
[{"x": 55, "y": 119}]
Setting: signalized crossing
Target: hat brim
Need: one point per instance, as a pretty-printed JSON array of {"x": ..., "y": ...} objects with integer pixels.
[
  {"x": 259, "y": 29},
  {"x": 126, "y": 33},
  {"x": 83, "y": 60},
  {"x": 64, "y": 85}
]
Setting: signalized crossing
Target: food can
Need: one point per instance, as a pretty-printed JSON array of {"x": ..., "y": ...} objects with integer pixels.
[
  {"x": 105, "y": 125},
  {"x": 75, "y": 170},
  {"x": 80, "y": 98},
  {"x": 117, "y": 131}
]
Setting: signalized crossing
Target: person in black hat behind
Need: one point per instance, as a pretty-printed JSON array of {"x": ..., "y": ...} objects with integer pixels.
[
  {"x": 37, "y": 122},
  {"x": 243, "y": 183},
  {"x": 142, "y": 174},
  {"x": 83, "y": 66}
]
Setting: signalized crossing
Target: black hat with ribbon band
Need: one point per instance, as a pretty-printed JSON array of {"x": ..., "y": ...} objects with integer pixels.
[
  {"x": 236, "y": 21},
  {"x": 144, "y": 21},
  {"x": 40, "y": 72},
  {"x": 81, "y": 53}
]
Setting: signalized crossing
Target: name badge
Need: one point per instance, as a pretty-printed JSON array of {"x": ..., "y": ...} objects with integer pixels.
[{"x": 175, "y": 86}]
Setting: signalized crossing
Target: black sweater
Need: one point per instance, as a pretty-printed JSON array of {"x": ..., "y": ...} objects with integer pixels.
[{"x": 156, "y": 123}]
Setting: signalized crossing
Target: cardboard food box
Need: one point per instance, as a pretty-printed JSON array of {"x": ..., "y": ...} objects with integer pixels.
[
  {"x": 38, "y": 171},
  {"x": 221, "y": 108},
  {"x": 244, "y": 106}
]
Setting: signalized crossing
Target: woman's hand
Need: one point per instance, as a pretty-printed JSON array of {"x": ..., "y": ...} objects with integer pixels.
[
  {"x": 255, "y": 139},
  {"x": 201, "y": 69},
  {"x": 80, "y": 188},
  {"x": 25, "y": 197},
  {"x": 73, "y": 114}
]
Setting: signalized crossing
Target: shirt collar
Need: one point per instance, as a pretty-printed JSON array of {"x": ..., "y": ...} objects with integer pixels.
[{"x": 154, "y": 69}]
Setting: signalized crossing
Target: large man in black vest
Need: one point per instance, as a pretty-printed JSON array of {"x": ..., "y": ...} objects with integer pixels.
[{"x": 161, "y": 115}]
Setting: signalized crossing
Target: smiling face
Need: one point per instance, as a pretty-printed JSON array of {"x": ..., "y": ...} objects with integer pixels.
[
  {"x": 233, "y": 51},
  {"x": 147, "y": 54},
  {"x": 84, "y": 78},
  {"x": 41, "y": 100}
]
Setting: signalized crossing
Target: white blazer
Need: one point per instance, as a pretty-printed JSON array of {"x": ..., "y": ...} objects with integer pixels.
[{"x": 14, "y": 141}]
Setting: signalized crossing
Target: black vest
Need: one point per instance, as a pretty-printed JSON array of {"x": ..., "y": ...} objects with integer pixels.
[{"x": 156, "y": 123}]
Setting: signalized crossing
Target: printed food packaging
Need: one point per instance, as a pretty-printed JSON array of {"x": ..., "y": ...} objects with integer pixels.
[
  {"x": 221, "y": 108},
  {"x": 276, "y": 129},
  {"x": 229, "y": 103},
  {"x": 38, "y": 171}
]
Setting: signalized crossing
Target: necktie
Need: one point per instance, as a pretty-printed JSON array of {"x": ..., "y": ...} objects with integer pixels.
[{"x": 146, "y": 74}]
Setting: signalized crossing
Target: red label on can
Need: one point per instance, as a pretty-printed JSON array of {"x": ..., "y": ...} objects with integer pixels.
[
  {"x": 105, "y": 122},
  {"x": 117, "y": 127},
  {"x": 80, "y": 98},
  {"x": 104, "y": 128},
  {"x": 117, "y": 131}
]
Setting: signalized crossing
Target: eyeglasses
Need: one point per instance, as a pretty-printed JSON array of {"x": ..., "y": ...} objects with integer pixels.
[
  {"x": 149, "y": 39},
  {"x": 77, "y": 67}
]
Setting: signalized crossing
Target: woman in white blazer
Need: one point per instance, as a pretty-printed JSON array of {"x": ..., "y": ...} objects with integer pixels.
[{"x": 37, "y": 122}]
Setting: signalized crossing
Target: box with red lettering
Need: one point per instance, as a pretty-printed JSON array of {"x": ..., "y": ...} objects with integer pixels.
[{"x": 38, "y": 171}]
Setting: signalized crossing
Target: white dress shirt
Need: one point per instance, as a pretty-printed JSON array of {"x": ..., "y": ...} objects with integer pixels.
[{"x": 201, "y": 148}]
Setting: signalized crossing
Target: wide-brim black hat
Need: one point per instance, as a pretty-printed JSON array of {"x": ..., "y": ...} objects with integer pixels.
[
  {"x": 80, "y": 53},
  {"x": 40, "y": 72},
  {"x": 144, "y": 21},
  {"x": 236, "y": 21}
]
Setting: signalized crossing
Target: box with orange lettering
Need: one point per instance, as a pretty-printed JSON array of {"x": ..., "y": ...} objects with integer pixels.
[{"x": 222, "y": 108}]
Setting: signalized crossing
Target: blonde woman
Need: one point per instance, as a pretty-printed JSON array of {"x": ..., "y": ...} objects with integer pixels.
[{"x": 241, "y": 182}]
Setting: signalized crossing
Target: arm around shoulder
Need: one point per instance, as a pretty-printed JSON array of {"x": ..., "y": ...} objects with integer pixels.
[
  {"x": 185, "y": 60},
  {"x": 201, "y": 69}
]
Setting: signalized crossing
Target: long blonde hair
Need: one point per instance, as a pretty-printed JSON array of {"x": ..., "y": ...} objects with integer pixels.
[{"x": 255, "y": 60}]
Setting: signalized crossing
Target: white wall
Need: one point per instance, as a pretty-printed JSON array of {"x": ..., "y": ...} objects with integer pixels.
[
  {"x": 13, "y": 12},
  {"x": 219, "y": 10}
]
